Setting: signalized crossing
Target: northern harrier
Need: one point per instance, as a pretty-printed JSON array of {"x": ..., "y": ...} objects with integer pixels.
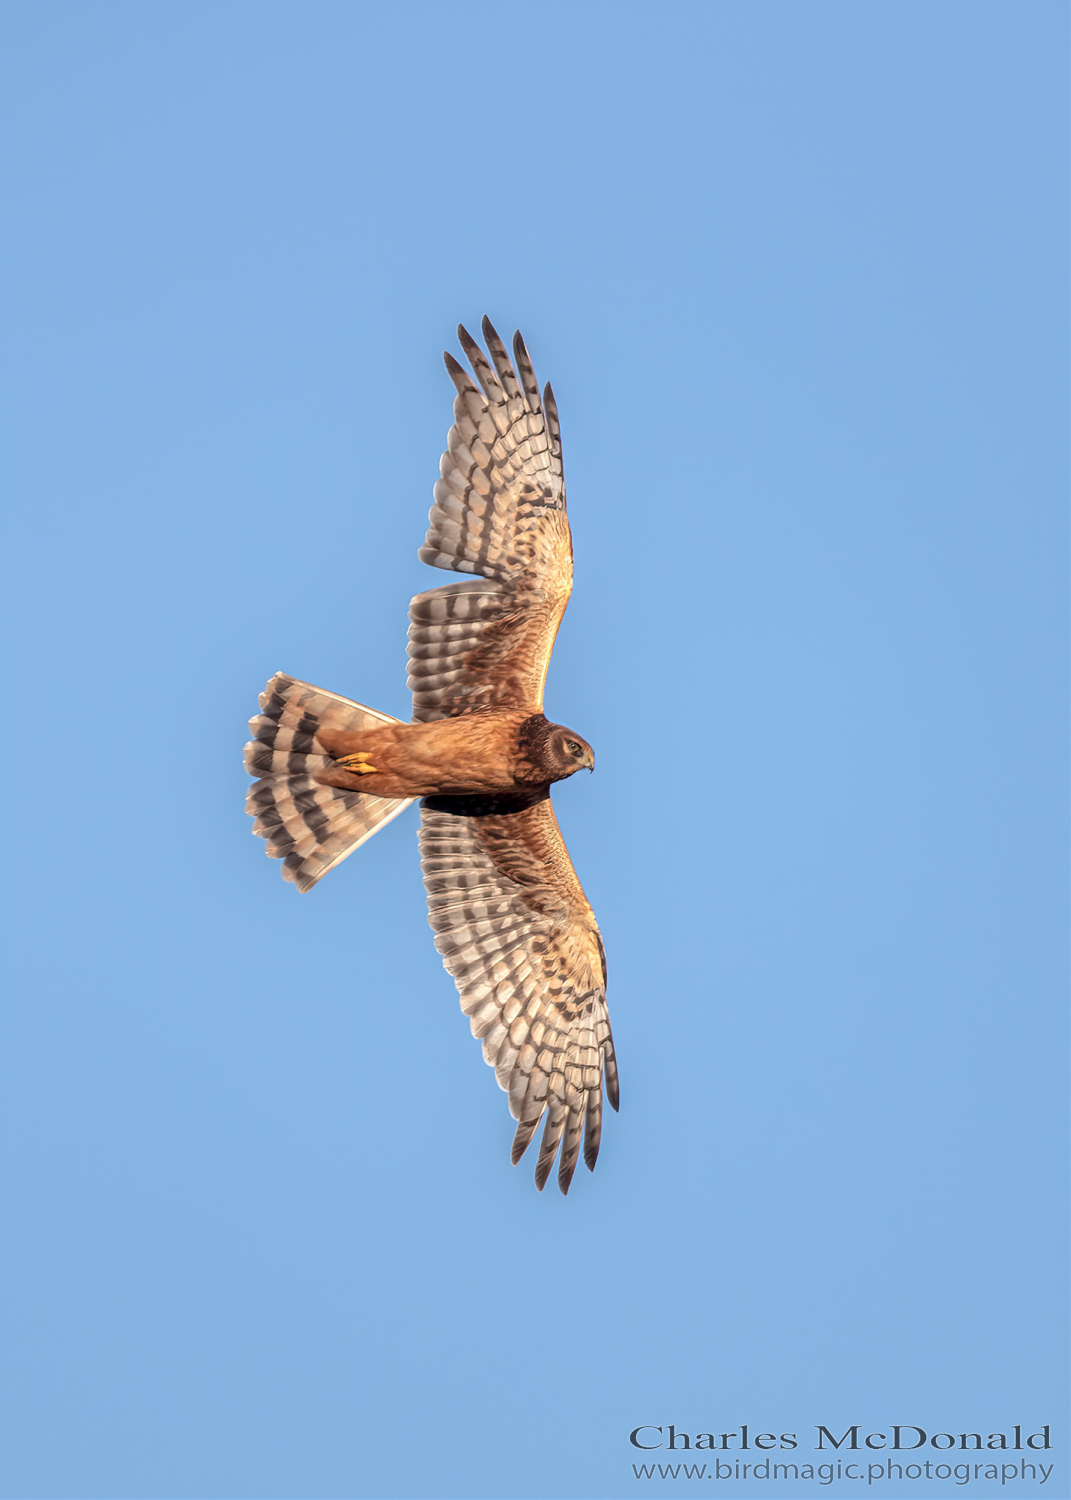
[{"x": 511, "y": 920}]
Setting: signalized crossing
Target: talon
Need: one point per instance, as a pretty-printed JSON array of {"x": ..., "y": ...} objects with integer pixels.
[{"x": 358, "y": 762}]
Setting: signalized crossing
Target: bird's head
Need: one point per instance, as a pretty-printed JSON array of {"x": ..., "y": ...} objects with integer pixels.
[{"x": 566, "y": 752}]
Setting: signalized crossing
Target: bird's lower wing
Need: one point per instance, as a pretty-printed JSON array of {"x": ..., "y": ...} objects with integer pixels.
[
  {"x": 517, "y": 934},
  {"x": 499, "y": 513}
]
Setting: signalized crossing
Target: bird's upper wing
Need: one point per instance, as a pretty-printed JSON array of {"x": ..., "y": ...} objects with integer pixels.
[
  {"x": 516, "y": 932},
  {"x": 499, "y": 512}
]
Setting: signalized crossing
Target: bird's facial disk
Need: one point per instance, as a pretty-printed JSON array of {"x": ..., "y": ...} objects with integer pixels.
[{"x": 573, "y": 753}]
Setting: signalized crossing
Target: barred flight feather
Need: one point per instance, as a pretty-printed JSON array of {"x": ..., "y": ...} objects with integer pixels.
[
  {"x": 527, "y": 961},
  {"x": 499, "y": 512},
  {"x": 310, "y": 827}
]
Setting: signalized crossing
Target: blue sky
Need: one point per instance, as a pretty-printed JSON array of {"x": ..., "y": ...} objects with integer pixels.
[{"x": 797, "y": 272}]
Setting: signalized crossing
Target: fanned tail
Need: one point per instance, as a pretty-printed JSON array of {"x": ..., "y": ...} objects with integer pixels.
[{"x": 309, "y": 826}]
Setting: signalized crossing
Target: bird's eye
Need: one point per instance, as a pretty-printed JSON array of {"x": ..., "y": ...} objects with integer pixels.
[{"x": 573, "y": 748}]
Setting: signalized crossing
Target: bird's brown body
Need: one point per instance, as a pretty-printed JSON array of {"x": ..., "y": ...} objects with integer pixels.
[
  {"x": 510, "y": 917},
  {"x": 495, "y": 752}
]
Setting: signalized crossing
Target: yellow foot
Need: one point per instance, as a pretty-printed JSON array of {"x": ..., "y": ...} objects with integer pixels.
[{"x": 358, "y": 763}]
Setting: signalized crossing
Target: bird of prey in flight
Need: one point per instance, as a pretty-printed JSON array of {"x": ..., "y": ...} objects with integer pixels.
[{"x": 510, "y": 917}]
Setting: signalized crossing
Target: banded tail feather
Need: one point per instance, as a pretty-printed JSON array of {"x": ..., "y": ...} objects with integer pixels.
[{"x": 310, "y": 827}]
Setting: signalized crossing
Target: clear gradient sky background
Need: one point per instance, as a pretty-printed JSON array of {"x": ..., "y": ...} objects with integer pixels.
[{"x": 797, "y": 272}]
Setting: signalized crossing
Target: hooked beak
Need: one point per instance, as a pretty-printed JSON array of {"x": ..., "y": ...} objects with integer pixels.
[{"x": 589, "y": 761}]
